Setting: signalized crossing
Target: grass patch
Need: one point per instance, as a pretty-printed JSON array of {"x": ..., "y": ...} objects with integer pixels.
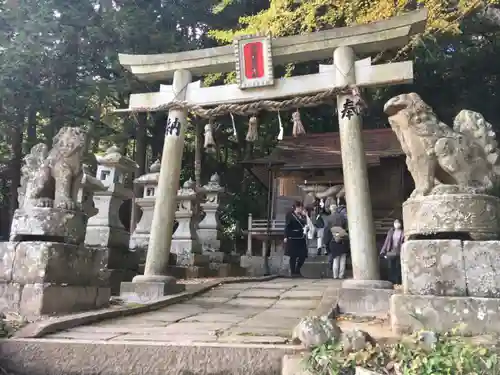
[{"x": 446, "y": 354}]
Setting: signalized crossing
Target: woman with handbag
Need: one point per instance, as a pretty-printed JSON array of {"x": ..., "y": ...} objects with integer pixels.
[{"x": 295, "y": 238}]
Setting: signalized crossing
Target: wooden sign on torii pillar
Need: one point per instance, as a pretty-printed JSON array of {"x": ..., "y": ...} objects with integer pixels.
[{"x": 343, "y": 43}]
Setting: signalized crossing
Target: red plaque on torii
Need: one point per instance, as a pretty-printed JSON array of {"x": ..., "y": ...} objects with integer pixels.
[{"x": 254, "y": 63}]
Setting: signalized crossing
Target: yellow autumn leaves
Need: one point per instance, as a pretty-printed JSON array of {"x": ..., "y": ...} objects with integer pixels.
[{"x": 289, "y": 17}]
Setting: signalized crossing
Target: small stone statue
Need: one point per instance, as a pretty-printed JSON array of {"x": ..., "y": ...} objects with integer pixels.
[
  {"x": 52, "y": 177},
  {"x": 440, "y": 159}
]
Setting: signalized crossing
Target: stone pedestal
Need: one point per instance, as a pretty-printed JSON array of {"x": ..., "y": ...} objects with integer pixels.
[
  {"x": 139, "y": 240},
  {"x": 474, "y": 215},
  {"x": 42, "y": 274},
  {"x": 33, "y": 223},
  {"x": 105, "y": 231},
  {"x": 450, "y": 283},
  {"x": 185, "y": 239},
  {"x": 208, "y": 228}
]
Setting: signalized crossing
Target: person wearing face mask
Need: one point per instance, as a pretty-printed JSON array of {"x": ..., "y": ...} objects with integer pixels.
[
  {"x": 295, "y": 238},
  {"x": 391, "y": 250}
]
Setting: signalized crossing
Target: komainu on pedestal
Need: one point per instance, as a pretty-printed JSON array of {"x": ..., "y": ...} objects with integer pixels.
[
  {"x": 45, "y": 268},
  {"x": 456, "y": 171},
  {"x": 452, "y": 221}
]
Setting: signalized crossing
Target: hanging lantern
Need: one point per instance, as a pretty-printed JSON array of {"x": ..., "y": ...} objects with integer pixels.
[
  {"x": 253, "y": 129},
  {"x": 298, "y": 128},
  {"x": 209, "y": 143}
]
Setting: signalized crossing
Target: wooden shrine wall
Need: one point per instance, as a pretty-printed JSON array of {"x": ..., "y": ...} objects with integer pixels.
[{"x": 390, "y": 185}]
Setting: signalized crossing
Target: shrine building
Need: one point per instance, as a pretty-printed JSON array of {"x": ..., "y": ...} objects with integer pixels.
[{"x": 316, "y": 159}]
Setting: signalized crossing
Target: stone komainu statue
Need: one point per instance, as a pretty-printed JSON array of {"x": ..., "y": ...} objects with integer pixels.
[
  {"x": 443, "y": 160},
  {"x": 51, "y": 178}
]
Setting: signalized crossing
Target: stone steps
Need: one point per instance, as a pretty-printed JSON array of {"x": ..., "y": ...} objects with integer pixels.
[
  {"x": 240, "y": 328},
  {"x": 71, "y": 357}
]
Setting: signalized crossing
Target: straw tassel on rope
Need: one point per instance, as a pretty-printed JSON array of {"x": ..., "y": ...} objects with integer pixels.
[
  {"x": 209, "y": 143},
  {"x": 234, "y": 136},
  {"x": 298, "y": 128},
  {"x": 282, "y": 130},
  {"x": 253, "y": 129}
]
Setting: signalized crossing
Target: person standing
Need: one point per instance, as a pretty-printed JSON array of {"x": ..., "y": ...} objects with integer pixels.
[
  {"x": 337, "y": 239},
  {"x": 295, "y": 238},
  {"x": 391, "y": 250},
  {"x": 319, "y": 224}
]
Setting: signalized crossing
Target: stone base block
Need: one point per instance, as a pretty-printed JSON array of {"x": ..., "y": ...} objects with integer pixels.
[
  {"x": 433, "y": 267},
  {"x": 50, "y": 262},
  {"x": 365, "y": 301},
  {"x": 255, "y": 265},
  {"x": 139, "y": 241},
  {"x": 149, "y": 291},
  {"x": 114, "y": 277},
  {"x": 198, "y": 260},
  {"x": 471, "y": 315},
  {"x": 32, "y": 223},
  {"x": 366, "y": 284},
  {"x": 316, "y": 269},
  {"x": 470, "y": 214},
  {"x": 232, "y": 259},
  {"x": 215, "y": 256},
  {"x": 107, "y": 237},
  {"x": 451, "y": 268},
  {"x": 481, "y": 261},
  {"x": 183, "y": 249},
  {"x": 208, "y": 244},
  {"x": 119, "y": 257},
  {"x": 33, "y": 300},
  {"x": 226, "y": 270},
  {"x": 187, "y": 272}
]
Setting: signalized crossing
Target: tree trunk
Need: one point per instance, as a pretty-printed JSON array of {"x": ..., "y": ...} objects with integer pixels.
[
  {"x": 16, "y": 161},
  {"x": 197, "y": 154},
  {"x": 140, "y": 158},
  {"x": 31, "y": 138}
]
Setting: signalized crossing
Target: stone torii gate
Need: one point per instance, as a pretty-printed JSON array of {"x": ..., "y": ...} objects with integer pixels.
[{"x": 253, "y": 59}]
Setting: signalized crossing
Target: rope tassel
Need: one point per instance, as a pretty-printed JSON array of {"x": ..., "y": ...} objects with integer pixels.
[
  {"x": 282, "y": 130},
  {"x": 209, "y": 143},
  {"x": 253, "y": 129},
  {"x": 234, "y": 136},
  {"x": 298, "y": 128}
]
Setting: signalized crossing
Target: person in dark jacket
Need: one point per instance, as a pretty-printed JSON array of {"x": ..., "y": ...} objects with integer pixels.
[
  {"x": 295, "y": 238},
  {"x": 338, "y": 241},
  {"x": 392, "y": 251}
]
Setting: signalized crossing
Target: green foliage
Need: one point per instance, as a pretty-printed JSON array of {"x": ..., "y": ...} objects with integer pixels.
[{"x": 450, "y": 355}]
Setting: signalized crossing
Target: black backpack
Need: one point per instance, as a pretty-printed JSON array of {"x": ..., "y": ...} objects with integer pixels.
[{"x": 319, "y": 222}]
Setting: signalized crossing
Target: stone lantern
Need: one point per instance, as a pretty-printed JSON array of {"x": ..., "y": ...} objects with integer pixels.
[
  {"x": 185, "y": 239},
  {"x": 208, "y": 228},
  {"x": 105, "y": 230},
  {"x": 139, "y": 240}
]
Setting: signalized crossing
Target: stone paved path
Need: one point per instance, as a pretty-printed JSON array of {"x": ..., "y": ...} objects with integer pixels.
[{"x": 257, "y": 312}]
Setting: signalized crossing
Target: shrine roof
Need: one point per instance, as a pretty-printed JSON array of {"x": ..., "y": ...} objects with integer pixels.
[{"x": 322, "y": 150}]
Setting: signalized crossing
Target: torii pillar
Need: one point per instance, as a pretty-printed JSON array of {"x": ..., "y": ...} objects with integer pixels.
[
  {"x": 155, "y": 282},
  {"x": 357, "y": 191}
]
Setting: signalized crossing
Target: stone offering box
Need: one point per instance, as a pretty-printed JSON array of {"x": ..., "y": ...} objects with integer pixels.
[{"x": 46, "y": 269}]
